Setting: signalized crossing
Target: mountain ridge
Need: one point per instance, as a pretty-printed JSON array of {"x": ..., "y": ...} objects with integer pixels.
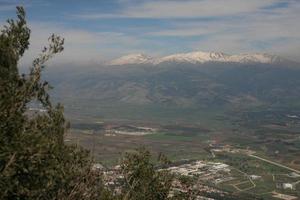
[
  {"x": 198, "y": 57},
  {"x": 177, "y": 90}
]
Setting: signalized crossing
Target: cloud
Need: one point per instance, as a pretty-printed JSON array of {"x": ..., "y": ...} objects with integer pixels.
[
  {"x": 7, "y": 7},
  {"x": 10, "y": 5},
  {"x": 184, "y": 31},
  {"x": 273, "y": 30},
  {"x": 184, "y": 9},
  {"x": 81, "y": 46},
  {"x": 161, "y": 27}
]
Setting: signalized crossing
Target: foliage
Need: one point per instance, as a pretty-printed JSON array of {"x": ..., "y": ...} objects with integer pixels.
[
  {"x": 34, "y": 161},
  {"x": 142, "y": 180}
]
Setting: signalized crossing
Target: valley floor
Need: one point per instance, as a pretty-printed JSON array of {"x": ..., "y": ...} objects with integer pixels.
[{"x": 247, "y": 165}]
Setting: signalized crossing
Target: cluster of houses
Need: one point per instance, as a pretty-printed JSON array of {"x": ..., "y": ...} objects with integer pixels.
[
  {"x": 113, "y": 177},
  {"x": 201, "y": 171},
  {"x": 129, "y": 130},
  {"x": 287, "y": 186},
  {"x": 199, "y": 168}
]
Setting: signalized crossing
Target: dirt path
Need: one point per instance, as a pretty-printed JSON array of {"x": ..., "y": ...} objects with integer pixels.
[{"x": 274, "y": 163}]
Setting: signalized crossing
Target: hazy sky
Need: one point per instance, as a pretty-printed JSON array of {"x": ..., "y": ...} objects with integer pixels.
[{"x": 97, "y": 30}]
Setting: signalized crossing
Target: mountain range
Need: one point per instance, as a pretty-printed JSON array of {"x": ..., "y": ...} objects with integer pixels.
[
  {"x": 178, "y": 86},
  {"x": 197, "y": 58}
]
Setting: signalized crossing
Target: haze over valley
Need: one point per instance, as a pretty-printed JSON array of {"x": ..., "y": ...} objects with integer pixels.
[
  {"x": 185, "y": 84},
  {"x": 150, "y": 99},
  {"x": 192, "y": 106}
]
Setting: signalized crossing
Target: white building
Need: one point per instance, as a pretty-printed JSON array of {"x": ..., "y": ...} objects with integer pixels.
[
  {"x": 255, "y": 177},
  {"x": 287, "y": 186},
  {"x": 97, "y": 166}
]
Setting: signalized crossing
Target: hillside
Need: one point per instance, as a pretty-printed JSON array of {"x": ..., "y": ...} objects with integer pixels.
[{"x": 182, "y": 88}]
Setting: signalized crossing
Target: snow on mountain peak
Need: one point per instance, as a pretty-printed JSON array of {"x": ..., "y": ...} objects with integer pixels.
[
  {"x": 195, "y": 57},
  {"x": 132, "y": 59},
  {"x": 198, "y": 57},
  {"x": 257, "y": 57}
]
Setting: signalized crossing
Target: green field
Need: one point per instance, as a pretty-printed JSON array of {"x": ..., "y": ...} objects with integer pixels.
[{"x": 190, "y": 140}]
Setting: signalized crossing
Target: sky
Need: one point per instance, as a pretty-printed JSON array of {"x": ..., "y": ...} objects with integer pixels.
[{"x": 99, "y": 30}]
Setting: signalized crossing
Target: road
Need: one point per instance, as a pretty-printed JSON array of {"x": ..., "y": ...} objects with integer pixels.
[{"x": 274, "y": 163}]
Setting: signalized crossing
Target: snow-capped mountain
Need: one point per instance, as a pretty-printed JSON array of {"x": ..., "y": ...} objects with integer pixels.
[
  {"x": 198, "y": 57},
  {"x": 180, "y": 89},
  {"x": 256, "y": 58},
  {"x": 132, "y": 59}
]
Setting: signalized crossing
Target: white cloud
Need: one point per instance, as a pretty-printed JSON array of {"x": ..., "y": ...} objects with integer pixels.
[
  {"x": 185, "y": 9},
  {"x": 273, "y": 31},
  {"x": 7, "y": 7},
  {"x": 235, "y": 26},
  {"x": 184, "y": 31},
  {"x": 10, "y": 5},
  {"x": 81, "y": 46}
]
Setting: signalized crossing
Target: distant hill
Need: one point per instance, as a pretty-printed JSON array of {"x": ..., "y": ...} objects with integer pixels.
[
  {"x": 126, "y": 86},
  {"x": 199, "y": 57}
]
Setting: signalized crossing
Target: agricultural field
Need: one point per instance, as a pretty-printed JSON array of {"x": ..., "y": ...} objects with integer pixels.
[
  {"x": 254, "y": 176},
  {"x": 243, "y": 147}
]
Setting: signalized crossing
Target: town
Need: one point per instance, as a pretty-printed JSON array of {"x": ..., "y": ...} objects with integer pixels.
[{"x": 211, "y": 177}]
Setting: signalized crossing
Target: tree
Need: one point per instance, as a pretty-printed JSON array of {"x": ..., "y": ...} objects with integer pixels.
[
  {"x": 34, "y": 161},
  {"x": 142, "y": 180}
]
